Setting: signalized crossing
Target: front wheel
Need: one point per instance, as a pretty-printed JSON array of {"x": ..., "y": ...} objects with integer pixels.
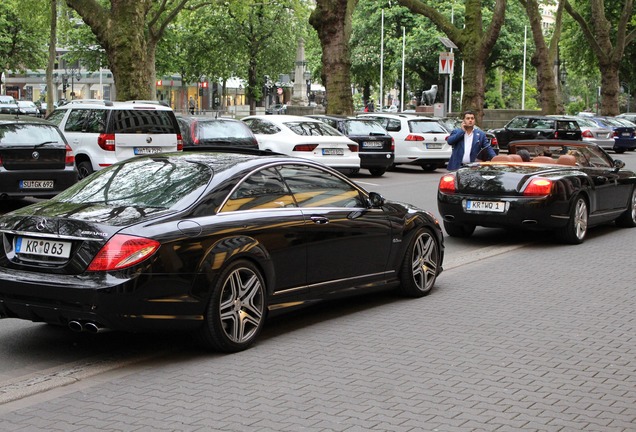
[
  {"x": 458, "y": 230},
  {"x": 576, "y": 229},
  {"x": 628, "y": 218},
  {"x": 421, "y": 264},
  {"x": 236, "y": 312}
]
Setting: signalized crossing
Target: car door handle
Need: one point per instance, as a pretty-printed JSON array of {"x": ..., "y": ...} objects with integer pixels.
[{"x": 321, "y": 220}]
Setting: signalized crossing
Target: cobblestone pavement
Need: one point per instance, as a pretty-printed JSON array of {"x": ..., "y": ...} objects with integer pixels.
[{"x": 541, "y": 338}]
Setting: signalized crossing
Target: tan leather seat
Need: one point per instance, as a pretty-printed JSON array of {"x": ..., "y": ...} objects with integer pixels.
[
  {"x": 515, "y": 158},
  {"x": 500, "y": 158},
  {"x": 543, "y": 159},
  {"x": 567, "y": 159}
]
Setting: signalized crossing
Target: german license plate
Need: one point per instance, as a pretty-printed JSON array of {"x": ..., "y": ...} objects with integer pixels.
[
  {"x": 147, "y": 150},
  {"x": 434, "y": 145},
  {"x": 487, "y": 206},
  {"x": 372, "y": 144},
  {"x": 50, "y": 248},
  {"x": 626, "y": 134},
  {"x": 36, "y": 184},
  {"x": 333, "y": 152}
]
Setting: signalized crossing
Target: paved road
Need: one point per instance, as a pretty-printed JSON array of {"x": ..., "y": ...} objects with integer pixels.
[{"x": 519, "y": 334}]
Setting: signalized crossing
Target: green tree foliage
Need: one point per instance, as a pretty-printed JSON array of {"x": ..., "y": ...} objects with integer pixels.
[{"x": 23, "y": 34}]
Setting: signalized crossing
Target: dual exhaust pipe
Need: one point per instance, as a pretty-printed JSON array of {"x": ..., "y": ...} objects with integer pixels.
[{"x": 87, "y": 326}]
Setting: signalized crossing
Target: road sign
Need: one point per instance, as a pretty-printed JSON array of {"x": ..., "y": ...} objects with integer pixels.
[{"x": 446, "y": 62}]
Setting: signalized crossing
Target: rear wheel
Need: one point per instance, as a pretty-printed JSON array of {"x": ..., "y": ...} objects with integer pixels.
[
  {"x": 84, "y": 169},
  {"x": 236, "y": 312},
  {"x": 576, "y": 229},
  {"x": 420, "y": 265},
  {"x": 628, "y": 218},
  {"x": 458, "y": 230},
  {"x": 429, "y": 167},
  {"x": 619, "y": 150},
  {"x": 377, "y": 172}
]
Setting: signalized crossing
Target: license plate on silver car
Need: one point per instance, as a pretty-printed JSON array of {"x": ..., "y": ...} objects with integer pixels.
[
  {"x": 44, "y": 247},
  {"x": 147, "y": 150},
  {"x": 36, "y": 184}
]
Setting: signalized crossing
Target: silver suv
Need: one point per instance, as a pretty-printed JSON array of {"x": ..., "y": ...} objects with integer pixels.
[{"x": 104, "y": 132}]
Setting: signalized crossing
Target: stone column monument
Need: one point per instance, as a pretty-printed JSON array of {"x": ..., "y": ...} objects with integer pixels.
[{"x": 299, "y": 95}]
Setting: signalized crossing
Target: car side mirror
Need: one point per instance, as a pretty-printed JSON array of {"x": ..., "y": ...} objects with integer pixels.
[
  {"x": 618, "y": 164},
  {"x": 376, "y": 200}
]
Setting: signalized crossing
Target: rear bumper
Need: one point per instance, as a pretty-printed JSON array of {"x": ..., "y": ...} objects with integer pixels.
[{"x": 376, "y": 159}]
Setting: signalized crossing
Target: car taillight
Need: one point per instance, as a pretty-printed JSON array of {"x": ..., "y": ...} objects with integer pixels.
[
  {"x": 179, "y": 142},
  {"x": 587, "y": 134},
  {"x": 305, "y": 147},
  {"x": 123, "y": 251},
  {"x": 447, "y": 183},
  {"x": 615, "y": 134},
  {"x": 353, "y": 147},
  {"x": 392, "y": 144},
  {"x": 556, "y": 134},
  {"x": 494, "y": 142},
  {"x": 70, "y": 157},
  {"x": 538, "y": 187},
  {"x": 106, "y": 141},
  {"x": 411, "y": 137},
  {"x": 193, "y": 133}
]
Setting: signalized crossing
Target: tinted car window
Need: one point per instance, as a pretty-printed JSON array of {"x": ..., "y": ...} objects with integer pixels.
[
  {"x": 517, "y": 123},
  {"x": 312, "y": 129},
  {"x": 76, "y": 120},
  {"x": 354, "y": 127},
  {"x": 315, "y": 188},
  {"x": 426, "y": 127},
  {"x": 261, "y": 190},
  {"x": 16, "y": 134},
  {"x": 158, "y": 183},
  {"x": 262, "y": 127},
  {"x": 540, "y": 124},
  {"x": 221, "y": 128},
  {"x": 56, "y": 117},
  {"x": 143, "y": 121},
  {"x": 96, "y": 121}
]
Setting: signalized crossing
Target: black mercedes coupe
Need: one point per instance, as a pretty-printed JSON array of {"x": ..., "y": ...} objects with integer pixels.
[
  {"x": 208, "y": 242},
  {"x": 565, "y": 187}
]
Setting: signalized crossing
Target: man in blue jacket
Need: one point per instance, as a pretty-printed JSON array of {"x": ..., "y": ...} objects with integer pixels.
[{"x": 467, "y": 143}]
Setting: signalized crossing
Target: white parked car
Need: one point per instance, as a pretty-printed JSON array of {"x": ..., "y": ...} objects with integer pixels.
[
  {"x": 419, "y": 140},
  {"x": 307, "y": 138},
  {"x": 102, "y": 133}
]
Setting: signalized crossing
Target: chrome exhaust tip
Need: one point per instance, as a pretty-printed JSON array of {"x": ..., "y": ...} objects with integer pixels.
[
  {"x": 91, "y": 327},
  {"x": 76, "y": 326}
]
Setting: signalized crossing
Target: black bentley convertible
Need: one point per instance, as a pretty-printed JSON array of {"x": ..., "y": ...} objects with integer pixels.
[
  {"x": 565, "y": 187},
  {"x": 208, "y": 242}
]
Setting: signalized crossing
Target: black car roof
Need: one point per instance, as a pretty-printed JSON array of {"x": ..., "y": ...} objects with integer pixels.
[{"x": 21, "y": 119}]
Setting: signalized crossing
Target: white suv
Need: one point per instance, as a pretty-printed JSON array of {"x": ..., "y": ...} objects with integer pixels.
[
  {"x": 104, "y": 132},
  {"x": 419, "y": 140}
]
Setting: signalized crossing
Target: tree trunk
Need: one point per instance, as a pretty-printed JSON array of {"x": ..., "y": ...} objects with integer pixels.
[
  {"x": 332, "y": 21},
  {"x": 50, "y": 90},
  {"x": 609, "y": 53}
]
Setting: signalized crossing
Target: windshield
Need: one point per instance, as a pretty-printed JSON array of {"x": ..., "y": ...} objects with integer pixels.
[
  {"x": 364, "y": 127},
  {"x": 145, "y": 182},
  {"x": 426, "y": 126},
  {"x": 223, "y": 129}
]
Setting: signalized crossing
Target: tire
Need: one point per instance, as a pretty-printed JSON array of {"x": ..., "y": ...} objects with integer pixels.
[
  {"x": 236, "y": 312},
  {"x": 421, "y": 264},
  {"x": 377, "y": 172},
  {"x": 458, "y": 230},
  {"x": 429, "y": 167},
  {"x": 628, "y": 218},
  {"x": 576, "y": 229},
  {"x": 84, "y": 169},
  {"x": 619, "y": 150}
]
